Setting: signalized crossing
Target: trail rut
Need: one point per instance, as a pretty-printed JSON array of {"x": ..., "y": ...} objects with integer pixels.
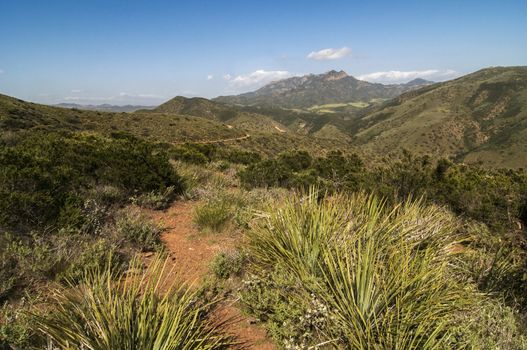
[{"x": 193, "y": 252}]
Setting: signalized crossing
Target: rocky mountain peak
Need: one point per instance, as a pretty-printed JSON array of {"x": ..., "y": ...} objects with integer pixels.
[{"x": 334, "y": 75}]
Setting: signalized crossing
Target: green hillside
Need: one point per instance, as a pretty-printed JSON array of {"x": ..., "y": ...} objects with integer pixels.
[
  {"x": 19, "y": 116},
  {"x": 267, "y": 135},
  {"x": 481, "y": 117}
]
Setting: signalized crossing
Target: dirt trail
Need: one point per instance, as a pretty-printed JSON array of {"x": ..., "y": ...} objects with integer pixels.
[
  {"x": 193, "y": 252},
  {"x": 215, "y": 141}
]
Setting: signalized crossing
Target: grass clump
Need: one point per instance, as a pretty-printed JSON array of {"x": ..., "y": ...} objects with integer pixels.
[
  {"x": 213, "y": 214},
  {"x": 141, "y": 311},
  {"x": 380, "y": 277}
]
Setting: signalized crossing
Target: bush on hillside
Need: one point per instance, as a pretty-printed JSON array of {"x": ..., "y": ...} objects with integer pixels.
[
  {"x": 43, "y": 178},
  {"x": 138, "y": 230}
]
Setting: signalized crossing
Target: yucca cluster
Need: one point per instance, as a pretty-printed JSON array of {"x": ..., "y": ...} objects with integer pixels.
[
  {"x": 133, "y": 311},
  {"x": 362, "y": 274}
]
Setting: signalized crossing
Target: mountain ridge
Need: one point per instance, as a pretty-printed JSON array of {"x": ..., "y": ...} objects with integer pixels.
[
  {"x": 318, "y": 89},
  {"x": 106, "y": 107}
]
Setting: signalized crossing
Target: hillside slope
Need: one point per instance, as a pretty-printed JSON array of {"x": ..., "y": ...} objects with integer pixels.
[
  {"x": 21, "y": 116},
  {"x": 312, "y": 90},
  {"x": 267, "y": 135},
  {"x": 259, "y": 118},
  {"x": 478, "y": 117}
]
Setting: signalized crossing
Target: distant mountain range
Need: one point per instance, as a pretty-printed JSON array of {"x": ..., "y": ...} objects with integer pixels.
[
  {"x": 313, "y": 90},
  {"x": 105, "y": 107}
]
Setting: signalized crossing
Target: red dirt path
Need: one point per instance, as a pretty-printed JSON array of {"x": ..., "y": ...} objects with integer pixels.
[{"x": 193, "y": 252}]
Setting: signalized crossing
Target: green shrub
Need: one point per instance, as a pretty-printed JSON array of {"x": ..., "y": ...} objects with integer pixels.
[
  {"x": 156, "y": 200},
  {"x": 142, "y": 311},
  {"x": 295, "y": 160},
  {"x": 93, "y": 255},
  {"x": 27, "y": 261},
  {"x": 266, "y": 173},
  {"x": 241, "y": 157},
  {"x": 36, "y": 259},
  {"x": 43, "y": 178},
  {"x": 227, "y": 264},
  {"x": 138, "y": 230},
  {"x": 16, "y": 331},
  {"x": 490, "y": 326},
  {"x": 195, "y": 153}
]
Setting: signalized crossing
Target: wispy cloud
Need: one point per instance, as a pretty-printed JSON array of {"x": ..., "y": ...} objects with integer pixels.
[
  {"x": 397, "y": 76},
  {"x": 227, "y": 77},
  {"x": 210, "y": 77},
  {"x": 329, "y": 54},
  {"x": 257, "y": 78}
]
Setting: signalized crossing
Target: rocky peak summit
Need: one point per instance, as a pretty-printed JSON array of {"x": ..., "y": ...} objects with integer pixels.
[{"x": 334, "y": 75}]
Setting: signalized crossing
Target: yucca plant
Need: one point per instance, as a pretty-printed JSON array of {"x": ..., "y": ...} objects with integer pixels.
[
  {"x": 384, "y": 273},
  {"x": 141, "y": 311}
]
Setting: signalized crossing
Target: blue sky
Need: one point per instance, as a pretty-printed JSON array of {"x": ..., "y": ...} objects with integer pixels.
[{"x": 145, "y": 52}]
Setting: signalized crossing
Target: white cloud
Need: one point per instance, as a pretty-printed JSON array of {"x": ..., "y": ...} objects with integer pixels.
[
  {"x": 258, "y": 78},
  {"x": 329, "y": 54},
  {"x": 396, "y": 76},
  {"x": 227, "y": 76},
  {"x": 210, "y": 77}
]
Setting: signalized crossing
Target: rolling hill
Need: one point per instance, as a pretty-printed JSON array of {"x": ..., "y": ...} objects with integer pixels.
[
  {"x": 315, "y": 90},
  {"x": 480, "y": 117},
  {"x": 259, "y": 118},
  {"x": 21, "y": 116},
  {"x": 267, "y": 135}
]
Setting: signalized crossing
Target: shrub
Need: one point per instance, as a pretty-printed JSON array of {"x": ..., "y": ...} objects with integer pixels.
[
  {"x": 138, "y": 230},
  {"x": 16, "y": 328},
  {"x": 241, "y": 157},
  {"x": 94, "y": 254},
  {"x": 156, "y": 200},
  {"x": 143, "y": 311},
  {"x": 296, "y": 160},
  {"x": 195, "y": 153},
  {"x": 265, "y": 173},
  {"x": 43, "y": 178},
  {"x": 227, "y": 264}
]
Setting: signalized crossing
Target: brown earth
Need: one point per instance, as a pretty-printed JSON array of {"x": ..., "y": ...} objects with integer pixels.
[{"x": 192, "y": 252}]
